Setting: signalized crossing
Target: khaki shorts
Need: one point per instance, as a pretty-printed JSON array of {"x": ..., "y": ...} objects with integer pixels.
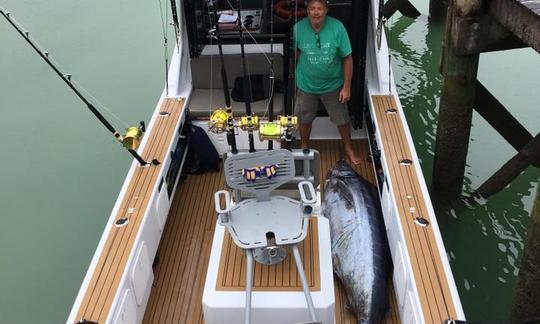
[{"x": 308, "y": 103}]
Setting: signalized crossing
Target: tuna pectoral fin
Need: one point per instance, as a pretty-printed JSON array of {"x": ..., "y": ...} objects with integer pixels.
[{"x": 403, "y": 6}]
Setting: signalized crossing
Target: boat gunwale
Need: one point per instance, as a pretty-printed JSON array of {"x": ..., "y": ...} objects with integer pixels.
[{"x": 110, "y": 225}]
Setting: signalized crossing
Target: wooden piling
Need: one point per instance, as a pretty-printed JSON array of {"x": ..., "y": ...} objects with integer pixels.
[
  {"x": 437, "y": 10},
  {"x": 501, "y": 119},
  {"x": 456, "y": 106},
  {"x": 528, "y": 155},
  {"x": 526, "y": 301}
]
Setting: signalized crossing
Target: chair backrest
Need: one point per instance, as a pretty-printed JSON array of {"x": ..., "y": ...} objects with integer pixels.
[{"x": 262, "y": 186}]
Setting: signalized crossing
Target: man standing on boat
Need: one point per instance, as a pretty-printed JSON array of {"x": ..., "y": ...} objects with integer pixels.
[{"x": 323, "y": 72}]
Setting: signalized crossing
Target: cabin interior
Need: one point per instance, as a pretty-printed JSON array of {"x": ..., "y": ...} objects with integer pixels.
[{"x": 268, "y": 39}]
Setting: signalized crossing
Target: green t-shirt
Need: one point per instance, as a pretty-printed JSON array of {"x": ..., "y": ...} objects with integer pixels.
[{"x": 320, "y": 65}]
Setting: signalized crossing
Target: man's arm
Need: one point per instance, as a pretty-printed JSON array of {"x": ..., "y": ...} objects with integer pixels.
[{"x": 345, "y": 93}]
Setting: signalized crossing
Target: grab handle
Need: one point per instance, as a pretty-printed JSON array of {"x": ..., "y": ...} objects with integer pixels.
[
  {"x": 217, "y": 201},
  {"x": 302, "y": 187}
]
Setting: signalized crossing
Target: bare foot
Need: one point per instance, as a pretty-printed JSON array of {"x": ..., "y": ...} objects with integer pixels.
[{"x": 353, "y": 158}]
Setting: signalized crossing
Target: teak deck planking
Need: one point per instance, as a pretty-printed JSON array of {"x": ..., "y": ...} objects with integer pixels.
[
  {"x": 433, "y": 287},
  {"x": 106, "y": 277},
  {"x": 184, "y": 250},
  {"x": 280, "y": 277}
]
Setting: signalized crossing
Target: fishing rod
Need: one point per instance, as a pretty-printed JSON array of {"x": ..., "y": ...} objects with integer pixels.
[
  {"x": 231, "y": 139},
  {"x": 291, "y": 82},
  {"x": 130, "y": 141},
  {"x": 272, "y": 76},
  {"x": 176, "y": 23},
  {"x": 165, "y": 45},
  {"x": 380, "y": 24},
  {"x": 247, "y": 86}
]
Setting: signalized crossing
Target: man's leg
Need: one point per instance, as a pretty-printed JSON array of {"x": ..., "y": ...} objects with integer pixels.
[
  {"x": 339, "y": 115},
  {"x": 305, "y": 132},
  {"x": 345, "y": 132},
  {"x": 306, "y": 110}
]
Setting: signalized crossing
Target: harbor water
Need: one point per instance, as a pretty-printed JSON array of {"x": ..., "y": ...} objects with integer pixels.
[{"x": 61, "y": 171}]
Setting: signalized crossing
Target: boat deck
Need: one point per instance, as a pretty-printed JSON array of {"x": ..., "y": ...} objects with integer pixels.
[
  {"x": 184, "y": 251},
  {"x": 105, "y": 281},
  {"x": 437, "y": 303}
]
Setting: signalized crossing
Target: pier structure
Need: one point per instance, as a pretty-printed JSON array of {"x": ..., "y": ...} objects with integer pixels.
[
  {"x": 526, "y": 301},
  {"x": 474, "y": 27}
]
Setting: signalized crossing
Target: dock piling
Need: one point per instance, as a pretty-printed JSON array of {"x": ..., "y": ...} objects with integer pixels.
[
  {"x": 530, "y": 154},
  {"x": 526, "y": 300},
  {"x": 474, "y": 27},
  {"x": 455, "y": 112}
]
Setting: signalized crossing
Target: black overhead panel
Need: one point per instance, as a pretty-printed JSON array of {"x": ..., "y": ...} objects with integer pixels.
[{"x": 197, "y": 21}]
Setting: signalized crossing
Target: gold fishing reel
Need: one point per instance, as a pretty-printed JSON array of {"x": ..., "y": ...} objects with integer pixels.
[
  {"x": 278, "y": 129},
  {"x": 249, "y": 123},
  {"x": 218, "y": 121},
  {"x": 132, "y": 139}
]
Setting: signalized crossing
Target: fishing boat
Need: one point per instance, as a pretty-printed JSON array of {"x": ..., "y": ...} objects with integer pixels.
[{"x": 179, "y": 248}]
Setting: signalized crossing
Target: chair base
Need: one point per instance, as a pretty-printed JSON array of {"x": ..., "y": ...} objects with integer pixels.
[{"x": 269, "y": 307}]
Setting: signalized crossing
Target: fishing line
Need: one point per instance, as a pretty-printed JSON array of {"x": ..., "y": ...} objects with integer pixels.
[
  {"x": 272, "y": 76},
  {"x": 165, "y": 45},
  {"x": 269, "y": 60},
  {"x": 245, "y": 57},
  {"x": 294, "y": 51},
  {"x": 129, "y": 142},
  {"x": 211, "y": 19},
  {"x": 110, "y": 112},
  {"x": 79, "y": 85},
  {"x": 389, "y": 52},
  {"x": 272, "y": 73},
  {"x": 83, "y": 89}
]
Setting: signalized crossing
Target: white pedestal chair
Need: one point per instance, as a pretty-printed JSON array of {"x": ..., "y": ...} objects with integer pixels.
[{"x": 265, "y": 221}]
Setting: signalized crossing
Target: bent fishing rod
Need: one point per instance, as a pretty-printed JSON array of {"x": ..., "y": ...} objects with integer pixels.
[{"x": 67, "y": 79}]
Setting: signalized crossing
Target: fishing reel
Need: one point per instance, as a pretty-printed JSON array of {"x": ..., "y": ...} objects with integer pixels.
[
  {"x": 219, "y": 121},
  {"x": 280, "y": 129},
  {"x": 132, "y": 139},
  {"x": 249, "y": 123}
]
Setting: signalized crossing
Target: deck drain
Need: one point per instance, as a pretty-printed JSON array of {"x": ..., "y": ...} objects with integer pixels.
[
  {"x": 405, "y": 162},
  {"x": 391, "y": 111},
  {"x": 121, "y": 222},
  {"x": 421, "y": 221}
]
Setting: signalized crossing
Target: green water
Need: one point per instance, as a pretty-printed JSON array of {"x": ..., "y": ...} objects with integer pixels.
[
  {"x": 484, "y": 240},
  {"x": 61, "y": 171}
]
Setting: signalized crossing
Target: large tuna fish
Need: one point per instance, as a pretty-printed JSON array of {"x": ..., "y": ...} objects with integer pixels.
[{"x": 360, "y": 251}]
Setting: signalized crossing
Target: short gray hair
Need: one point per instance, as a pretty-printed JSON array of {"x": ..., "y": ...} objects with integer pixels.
[{"x": 323, "y": 2}]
